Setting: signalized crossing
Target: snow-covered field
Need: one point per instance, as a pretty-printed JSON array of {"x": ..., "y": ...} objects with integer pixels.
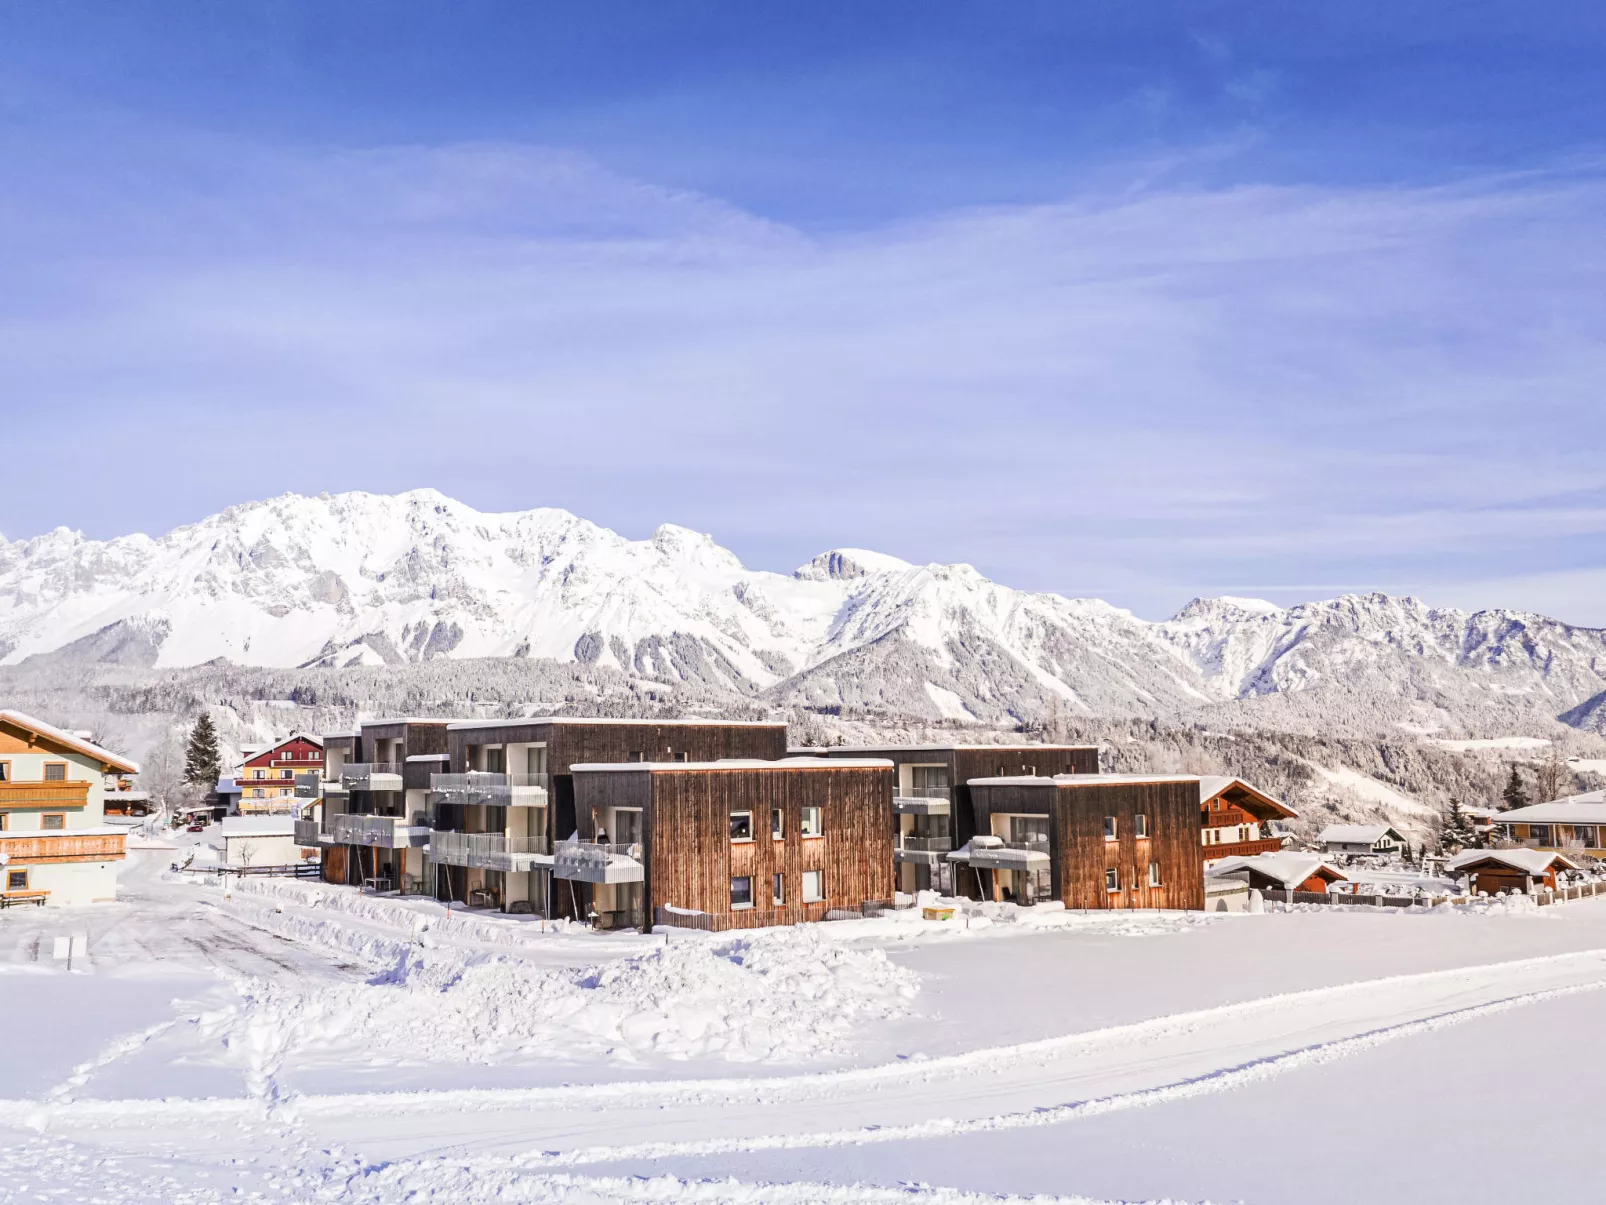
[{"x": 286, "y": 1041}]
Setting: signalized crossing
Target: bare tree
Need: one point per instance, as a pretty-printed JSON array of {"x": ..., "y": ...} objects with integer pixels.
[
  {"x": 162, "y": 774},
  {"x": 1551, "y": 776}
]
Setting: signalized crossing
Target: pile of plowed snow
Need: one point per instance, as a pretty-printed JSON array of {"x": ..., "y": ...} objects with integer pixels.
[{"x": 782, "y": 996}]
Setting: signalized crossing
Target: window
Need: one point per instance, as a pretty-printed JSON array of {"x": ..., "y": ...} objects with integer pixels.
[
  {"x": 2, "y": 822},
  {"x": 809, "y": 823},
  {"x": 53, "y": 820},
  {"x": 55, "y": 771},
  {"x": 741, "y": 826},
  {"x": 5, "y": 771},
  {"x": 1154, "y": 874},
  {"x": 256, "y": 792},
  {"x": 777, "y": 824},
  {"x": 1140, "y": 825},
  {"x": 813, "y": 886},
  {"x": 1112, "y": 880},
  {"x": 258, "y": 774},
  {"x": 636, "y": 755},
  {"x": 742, "y": 892},
  {"x": 535, "y": 760},
  {"x": 16, "y": 880},
  {"x": 778, "y": 891},
  {"x": 1109, "y": 828}
]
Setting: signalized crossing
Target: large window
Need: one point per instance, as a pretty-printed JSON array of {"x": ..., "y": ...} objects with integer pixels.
[
  {"x": 813, "y": 886},
  {"x": 742, "y": 892},
  {"x": 741, "y": 826},
  {"x": 809, "y": 822}
]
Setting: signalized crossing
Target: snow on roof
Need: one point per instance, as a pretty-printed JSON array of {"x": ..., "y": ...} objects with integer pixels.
[
  {"x": 258, "y": 826},
  {"x": 1356, "y": 834},
  {"x": 77, "y": 743},
  {"x": 466, "y": 725},
  {"x": 407, "y": 719},
  {"x": 428, "y": 757},
  {"x": 1588, "y": 808},
  {"x": 740, "y": 763},
  {"x": 1212, "y": 785},
  {"x": 1079, "y": 780},
  {"x": 1529, "y": 861},
  {"x": 833, "y": 750},
  {"x": 341, "y": 736},
  {"x": 252, "y": 752},
  {"x": 1289, "y": 869}
]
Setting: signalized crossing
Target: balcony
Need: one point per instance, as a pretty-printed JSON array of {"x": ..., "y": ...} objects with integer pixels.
[
  {"x": 921, "y": 801},
  {"x": 372, "y": 776},
  {"x": 927, "y": 850},
  {"x": 488, "y": 851},
  {"x": 1241, "y": 849},
  {"x": 493, "y": 789},
  {"x": 590, "y": 862},
  {"x": 73, "y": 793},
  {"x": 309, "y": 834},
  {"x": 309, "y": 784},
  {"x": 36, "y": 848},
  {"x": 384, "y": 832},
  {"x": 996, "y": 853}
]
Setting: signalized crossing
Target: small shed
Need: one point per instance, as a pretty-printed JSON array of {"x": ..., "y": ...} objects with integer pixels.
[
  {"x": 1280, "y": 872},
  {"x": 258, "y": 841},
  {"x": 1492, "y": 871},
  {"x": 1360, "y": 839}
]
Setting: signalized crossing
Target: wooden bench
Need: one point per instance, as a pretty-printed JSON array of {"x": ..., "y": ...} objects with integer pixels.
[{"x": 10, "y": 898}]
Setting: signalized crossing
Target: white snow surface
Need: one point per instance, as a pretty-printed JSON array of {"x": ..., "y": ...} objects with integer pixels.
[{"x": 365, "y": 579}]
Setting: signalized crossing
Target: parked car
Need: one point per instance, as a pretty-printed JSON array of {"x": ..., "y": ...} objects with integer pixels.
[{"x": 196, "y": 828}]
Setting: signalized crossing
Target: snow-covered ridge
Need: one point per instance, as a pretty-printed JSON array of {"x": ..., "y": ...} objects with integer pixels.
[{"x": 372, "y": 579}]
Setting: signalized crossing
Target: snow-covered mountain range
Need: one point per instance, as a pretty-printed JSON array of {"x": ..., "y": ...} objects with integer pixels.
[{"x": 363, "y": 579}]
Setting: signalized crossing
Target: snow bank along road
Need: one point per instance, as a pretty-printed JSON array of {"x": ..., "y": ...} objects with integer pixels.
[{"x": 372, "y": 1143}]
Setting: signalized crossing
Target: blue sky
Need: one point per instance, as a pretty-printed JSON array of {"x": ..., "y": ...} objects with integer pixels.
[{"x": 1137, "y": 301}]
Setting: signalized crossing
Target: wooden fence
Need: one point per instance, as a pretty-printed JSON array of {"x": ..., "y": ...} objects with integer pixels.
[
  {"x": 1543, "y": 897},
  {"x": 756, "y": 918}
]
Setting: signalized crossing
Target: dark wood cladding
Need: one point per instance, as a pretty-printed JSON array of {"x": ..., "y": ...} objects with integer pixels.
[
  {"x": 417, "y": 737},
  {"x": 691, "y": 858},
  {"x": 1081, "y": 855}
]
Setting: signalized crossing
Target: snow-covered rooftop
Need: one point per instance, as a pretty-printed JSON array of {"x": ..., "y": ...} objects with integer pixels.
[
  {"x": 467, "y": 725},
  {"x": 739, "y": 763},
  {"x": 833, "y": 750},
  {"x": 1079, "y": 780},
  {"x": 1287, "y": 868},
  {"x": 1529, "y": 861},
  {"x": 1356, "y": 834},
  {"x": 1212, "y": 785},
  {"x": 1588, "y": 808},
  {"x": 71, "y": 740}
]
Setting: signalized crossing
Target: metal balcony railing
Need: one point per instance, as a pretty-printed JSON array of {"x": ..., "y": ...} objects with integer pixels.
[
  {"x": 923, "y": 793},
  {"x": 308, "y": 833},
  {"x": 489, "y": 851},
  {"x": 371, "y": 776},
  {"x": 925, "y": 845},
  {"x": 489, "y": 787},
  {"x": 309, "y": 784},
  {"x": 385, "y": 832},
  {"x": 593, "y": 862}
]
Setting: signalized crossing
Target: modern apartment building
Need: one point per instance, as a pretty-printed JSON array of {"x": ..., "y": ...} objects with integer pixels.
[
  {"x": 932, "y": 800},
  {"x": 1089, "y": 840},
  {"x": 505, "y": 802},
  {"x": 730, "y": 844},
  {"x": 55, "y": 847}
]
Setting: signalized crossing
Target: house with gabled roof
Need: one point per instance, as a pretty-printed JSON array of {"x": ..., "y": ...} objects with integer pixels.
[
  {"x": 1235, "y": 818},
  {"x": 267, "y": 778},
  {"x": 1491, "y": 871},
  {"x": 1360, "y": 839},
  {"x": 55, "y": 845},
  {"x": 1286, "y": 871}
]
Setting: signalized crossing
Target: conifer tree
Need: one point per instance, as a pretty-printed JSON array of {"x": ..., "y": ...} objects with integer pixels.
[
  {"x": 1515, "y": 795},
  {"x": 1458, "y": 832},
  {"x": 202, "y": 762}
]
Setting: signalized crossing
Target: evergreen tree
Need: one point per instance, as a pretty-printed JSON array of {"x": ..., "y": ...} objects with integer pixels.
[
  {"x": 1515, "y": 795},
  {"x": 1458, "y": 832},
  {"x": 202, "y": 762}
]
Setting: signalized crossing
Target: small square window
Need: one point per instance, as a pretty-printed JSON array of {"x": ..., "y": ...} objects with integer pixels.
[
  {"x": 1154, "y": 874},
  {"x": 777, "y": 824},
  {"x": 742, "y": 892},
  {"x": 5, "y": 771},
  {"x": 1112, "y": 880},
  {"x": 778, "y": 891},
  {"x": 741, "y": 826},
  {"x": 16, "y": 880},
  {"x": 809, "y": 824},
  {"x": 53, "y": 820},
  {"x": 813, "y": 886},
  {"x": 56, "y": 771},
  {"x": 1109, "y": 828},
  {"x": 1140, "y": 825}
]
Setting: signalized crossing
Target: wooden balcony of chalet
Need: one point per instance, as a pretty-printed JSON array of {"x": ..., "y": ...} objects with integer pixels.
[
  {"x": 73, "y": 793},
  {"x": 1240, "y": 849},
  {"x": 26, "y": 849},
  {"x": 1227, "y": 817}
]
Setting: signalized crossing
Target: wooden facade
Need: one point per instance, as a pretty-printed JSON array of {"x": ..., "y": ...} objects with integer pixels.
[
  {"x": 691, "y": 859},
  {"x": 1159, "y": 869}
]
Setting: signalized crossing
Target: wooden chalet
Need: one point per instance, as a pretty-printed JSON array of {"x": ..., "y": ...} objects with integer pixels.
[
  {"x": 1088, "y": 840},
  {"x": 505, "y": 799},
  {"x": 1491, "y": 871},
  {"x": 1361, "y": 839},
  {"x": 728, "y": 844},
  {"x": 1235, "y": 819},
  {"x": 1575, "y": 825},
  {"x": 267, "y": 779},
  {"x": 932, "y": 800}
]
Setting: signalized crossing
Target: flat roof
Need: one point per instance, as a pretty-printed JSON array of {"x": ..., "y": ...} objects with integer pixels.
[
  {"x": 737, "y": 763},
  {"x": 410, "y": 719},
  {"x": 1079, "y": 780},
  {"x": 428, "y": 757},
  {"x": 531, "y": 721},
  {"x": 830, "y": 750}
]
